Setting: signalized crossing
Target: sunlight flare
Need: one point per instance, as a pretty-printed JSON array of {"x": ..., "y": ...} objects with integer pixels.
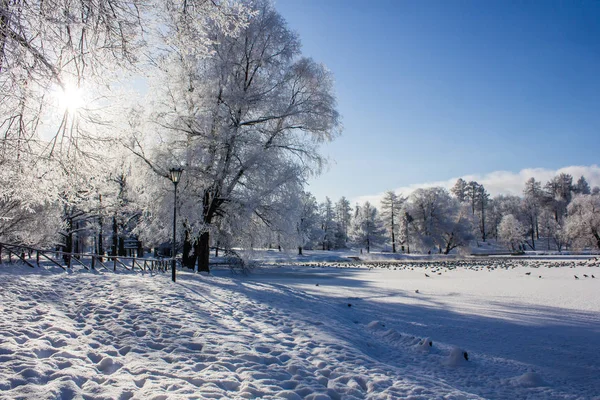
[{"x": 70, "y": 97}]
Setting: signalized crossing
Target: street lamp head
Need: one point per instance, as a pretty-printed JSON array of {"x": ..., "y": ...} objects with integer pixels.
[{"x": 175, "y": 174}]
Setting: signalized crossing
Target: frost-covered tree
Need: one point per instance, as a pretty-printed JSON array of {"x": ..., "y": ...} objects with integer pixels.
[
  {"x": 582, "y": 186},
  {"x": 404, "y": 233},
  {"x": 343, "y": 219},
  {"x": 460, "y": 190},
  {"x": 245, "y": 122},
  {"x": 472, "y": 194},
  {"x": 482, "y": 200},
  {"x": 583, "y": 222},
  {"x": 500, "y": 206},
  {"x": 511, "y": 232},
  {"x": 327, "y": 224},
  {"x": 555, "y": 233},
  {"x": 432, "y": 211},
  {"x": 308, "y": 221},
  {"x": 457, "y": 231},
  {"x": 532, "y": 202},
  {"x": 391, "y": 209},
  {"x": 367, "y": 227},
  {"x": 55, "y": 58},
  {"x": 558, "y": 195}
]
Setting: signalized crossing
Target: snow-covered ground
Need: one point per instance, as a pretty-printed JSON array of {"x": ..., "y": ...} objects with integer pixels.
[{"x": 317, "y": 331}]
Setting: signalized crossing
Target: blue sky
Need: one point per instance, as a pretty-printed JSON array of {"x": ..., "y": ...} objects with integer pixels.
[{"x": 431, "y": 90}]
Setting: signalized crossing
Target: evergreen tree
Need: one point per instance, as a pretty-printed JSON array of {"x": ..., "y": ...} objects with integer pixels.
[
  {"x": 343, "y": 219},
  {"x": 582, "y": 186},
  {"x": 391, "y": 206},
  {"x": 472, "y": 193},
  {"x": 532, "y": 202},
  {"x": 482, "y": 200},
  {"x": 328, "y": 226},
  {"x": 460, "y": 190}
]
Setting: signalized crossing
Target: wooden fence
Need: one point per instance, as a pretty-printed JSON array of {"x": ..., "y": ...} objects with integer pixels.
[{"x": 34, "y": 257}]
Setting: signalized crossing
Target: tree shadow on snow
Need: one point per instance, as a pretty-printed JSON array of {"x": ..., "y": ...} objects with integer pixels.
[{"x": 561, "y": 342}]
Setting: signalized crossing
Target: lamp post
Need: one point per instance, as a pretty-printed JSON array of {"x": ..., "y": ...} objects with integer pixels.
[{"x": 175, "y": 175}]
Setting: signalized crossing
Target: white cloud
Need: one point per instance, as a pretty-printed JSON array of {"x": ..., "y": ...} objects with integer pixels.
[{"x": 500, "y": 182}]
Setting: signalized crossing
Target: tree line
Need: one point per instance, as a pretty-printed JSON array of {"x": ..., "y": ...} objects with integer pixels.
[{"x": 559, "y": 214}]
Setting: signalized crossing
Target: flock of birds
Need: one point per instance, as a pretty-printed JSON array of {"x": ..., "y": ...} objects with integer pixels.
[{"x": 438, "y": 267}]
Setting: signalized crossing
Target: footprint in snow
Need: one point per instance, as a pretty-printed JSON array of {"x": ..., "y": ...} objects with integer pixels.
[{"x": 108, "y": 366}]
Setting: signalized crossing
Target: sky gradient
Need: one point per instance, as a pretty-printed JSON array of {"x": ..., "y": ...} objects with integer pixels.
[{"x": 432, "y": 90}]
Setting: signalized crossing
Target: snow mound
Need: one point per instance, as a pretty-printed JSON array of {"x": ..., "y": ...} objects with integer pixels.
[
  {"x": 457, "y": 357},
  {"x": 375, "y": 325},
  {"x": 529, "y": 379},
  {"x": 392, "y": 335},
  {"x": 424, "y": 344}
]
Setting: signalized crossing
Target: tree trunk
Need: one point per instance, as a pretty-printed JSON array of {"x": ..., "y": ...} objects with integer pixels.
[
  {"x": 532, "y": 238},
  {"x": 188, "y": 260},
  {"x": 203, "y": 251},
  {"x": 75, "y": 239},
  {"x": 448, "y": 244},
  {"x": 68, "y": 241},
  {"x": 100, "y": 240},
  {"x": 393, "y": 236},
  {"x": 299, "y": 250},
  {"x": 597, "y": 237},
  {"x": 100, "y": 228},
  {"x": 115, "y": 237},
  {"x": 122, "y": 252},
  {"x": 483, "y": 213}
]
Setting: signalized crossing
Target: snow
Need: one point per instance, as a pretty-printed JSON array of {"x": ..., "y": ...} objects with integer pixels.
[{"x": 315, "y": 331}]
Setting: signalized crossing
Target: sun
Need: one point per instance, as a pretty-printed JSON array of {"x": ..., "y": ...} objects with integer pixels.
[{"x": 70, "y": 97}]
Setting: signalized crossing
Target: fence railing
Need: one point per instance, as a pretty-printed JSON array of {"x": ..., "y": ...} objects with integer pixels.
[{"x": 35, "y": 257}]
